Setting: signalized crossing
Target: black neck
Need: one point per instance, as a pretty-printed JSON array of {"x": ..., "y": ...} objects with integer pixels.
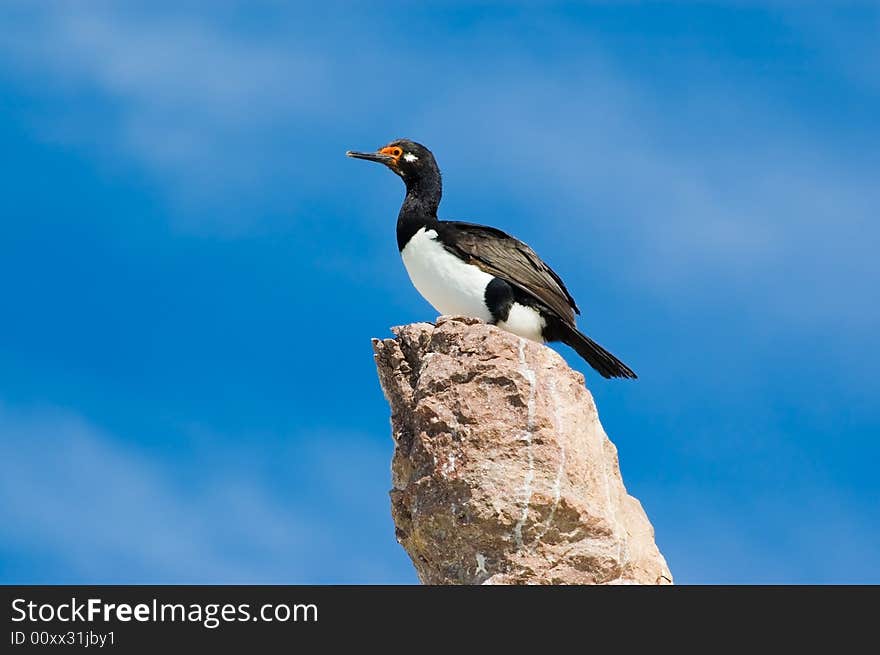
[{"x": 419, "y": 208}]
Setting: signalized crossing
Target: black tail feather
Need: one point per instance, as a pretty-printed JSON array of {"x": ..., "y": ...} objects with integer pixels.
[{"x": 606, "y": 364}]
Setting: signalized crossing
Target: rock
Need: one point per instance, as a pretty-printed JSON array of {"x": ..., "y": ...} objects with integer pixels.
[{"x": 502, "y": 473}]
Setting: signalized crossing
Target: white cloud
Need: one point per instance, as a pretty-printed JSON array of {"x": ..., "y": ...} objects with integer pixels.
[
  {"x": 198, "y": 107},
  {"x": 724, "y": 186},
  {"x": 109, "y": 511}
]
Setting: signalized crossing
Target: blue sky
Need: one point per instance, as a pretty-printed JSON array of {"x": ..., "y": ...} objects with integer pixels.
[{"x": 191, "y": 271}]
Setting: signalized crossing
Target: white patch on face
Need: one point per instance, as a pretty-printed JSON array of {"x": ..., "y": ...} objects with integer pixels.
[
  {"x": 524, "y": 322},
  {"x": 410, "y": 157},
  {"x": 449, "y": 284}
]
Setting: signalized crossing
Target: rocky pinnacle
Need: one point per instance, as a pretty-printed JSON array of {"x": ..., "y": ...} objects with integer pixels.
[{"x": 502, "y": 473}]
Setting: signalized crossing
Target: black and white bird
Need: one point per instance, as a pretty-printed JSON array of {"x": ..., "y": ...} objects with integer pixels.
[{"x": 473, "y": 270}]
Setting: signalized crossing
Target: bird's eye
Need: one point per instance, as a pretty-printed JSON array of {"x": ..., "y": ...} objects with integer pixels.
[{"x": 392, "y": 151}]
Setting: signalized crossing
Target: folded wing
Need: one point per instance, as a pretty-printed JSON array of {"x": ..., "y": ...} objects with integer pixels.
[{"x": 503, "y": 256}]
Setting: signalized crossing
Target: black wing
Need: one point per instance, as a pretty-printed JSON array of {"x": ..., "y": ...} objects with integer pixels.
[{"x": 503, "y": 256}]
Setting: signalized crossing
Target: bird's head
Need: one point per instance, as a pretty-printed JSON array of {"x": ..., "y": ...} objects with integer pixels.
[{"x": 410, "y": 160}]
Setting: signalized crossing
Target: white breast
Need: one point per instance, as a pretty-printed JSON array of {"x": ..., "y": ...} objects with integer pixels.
[
  {"x": 449, "y": 284},
  {"x": 525, "y": 322}
]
